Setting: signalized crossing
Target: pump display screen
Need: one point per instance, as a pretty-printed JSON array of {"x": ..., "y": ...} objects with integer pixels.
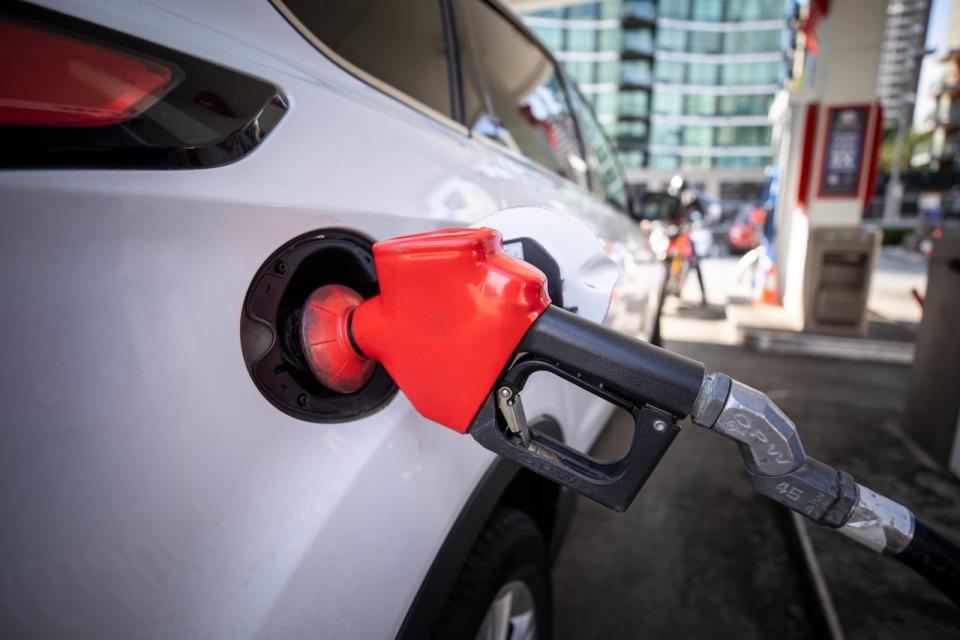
[{"x": 843, "y": 156}]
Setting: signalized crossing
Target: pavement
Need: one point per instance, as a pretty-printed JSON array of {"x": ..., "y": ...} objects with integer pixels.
[{"x": 699, "y": 554}]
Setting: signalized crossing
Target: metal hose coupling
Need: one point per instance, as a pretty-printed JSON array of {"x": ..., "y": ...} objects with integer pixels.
[
  {"x": 769, "y": 441},
  {"x": 772, "y": 452},
  {"x": 779, "y": 469},
  {"x": 879, "y": 523}
]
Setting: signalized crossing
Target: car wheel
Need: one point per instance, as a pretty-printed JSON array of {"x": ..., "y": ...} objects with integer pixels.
[{"x": 503, "y": 590}]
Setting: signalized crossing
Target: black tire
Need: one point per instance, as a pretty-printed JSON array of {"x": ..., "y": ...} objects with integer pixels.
[{"x": 509, "y": 548}]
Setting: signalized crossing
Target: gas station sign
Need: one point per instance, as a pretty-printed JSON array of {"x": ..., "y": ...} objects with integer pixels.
[{"x": 843, "y": 151}]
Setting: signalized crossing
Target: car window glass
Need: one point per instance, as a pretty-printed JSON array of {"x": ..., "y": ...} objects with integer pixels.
[
  {"x": 513, "y": 92},
  {"x": 659, "y": 206},
  {"x": 399, "y": 43},
  {"x": 606, "y": 178}
]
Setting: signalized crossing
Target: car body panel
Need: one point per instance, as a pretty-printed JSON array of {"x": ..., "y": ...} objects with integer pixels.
[{"x": 150, "y": 490}]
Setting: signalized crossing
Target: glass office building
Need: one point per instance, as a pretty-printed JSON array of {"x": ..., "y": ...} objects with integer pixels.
[
  {"x": 608, "y": 48},
  {"x": 683, "y": 86},
  {"x": 718, "y": 67}
]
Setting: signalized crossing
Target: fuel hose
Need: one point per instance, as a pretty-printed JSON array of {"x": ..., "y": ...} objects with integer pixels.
[{"x": 935, "y": 558}]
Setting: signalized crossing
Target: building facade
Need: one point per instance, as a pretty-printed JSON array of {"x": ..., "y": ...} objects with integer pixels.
[
  {"x": 945, "y": 143},
  {"x": 607, "y": 47},
  {"x": 683, "y": 86},
  {"x": 904, "y": 34},
  {"x": 945, "y": 120}
]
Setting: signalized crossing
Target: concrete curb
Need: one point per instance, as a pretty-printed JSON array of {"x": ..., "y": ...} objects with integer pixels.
[{"x": 792, "y": 343}]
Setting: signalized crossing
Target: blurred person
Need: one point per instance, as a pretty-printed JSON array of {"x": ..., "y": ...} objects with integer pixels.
[
  {"x": 760, "y": 257},
  {"x": 691, "y": 210}
]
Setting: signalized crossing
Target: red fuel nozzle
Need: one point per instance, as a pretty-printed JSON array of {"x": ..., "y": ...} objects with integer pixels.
[
  {"x": 453, "y": 310},
  {"x": 325, "y": 337},
  {"x": 453, "y": 306}
]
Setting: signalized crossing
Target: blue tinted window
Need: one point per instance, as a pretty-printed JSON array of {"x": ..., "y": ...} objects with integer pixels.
[
  {"x": 674, "y": 9},
  {"x": 705, "y": 41},
  {"x": 710, "y": 10},
  {"x": 667, "y": 103},
  {"x": 755, "y": 9},
  {"x": 669, "y": 71},
  {"x": 671, "y": 39},
  {"x": 752, "y": 73}
]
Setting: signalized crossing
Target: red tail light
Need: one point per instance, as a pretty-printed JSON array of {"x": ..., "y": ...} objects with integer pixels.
[
  {"x": 78, "y": 94},
  {"x": 48, "y": 79}
]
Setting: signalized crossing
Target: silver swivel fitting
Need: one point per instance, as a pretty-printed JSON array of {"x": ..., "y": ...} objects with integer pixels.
[
  {"x": 769, "y": 441},
  {"x": 779, "y": 469}
]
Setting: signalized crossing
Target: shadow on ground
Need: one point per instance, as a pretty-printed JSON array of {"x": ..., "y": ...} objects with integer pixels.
[{"x": 700, "y": 311}]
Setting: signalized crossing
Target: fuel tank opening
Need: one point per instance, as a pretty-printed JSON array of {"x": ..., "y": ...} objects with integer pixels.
[
  {"x": 325, "y": 339},
  {"x": 272, "y": 320}
]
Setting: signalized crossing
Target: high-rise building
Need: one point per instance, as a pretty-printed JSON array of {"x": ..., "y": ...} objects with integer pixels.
[
  {"x": 607, "y": 47},
  {"x": 683, "y": 86},
  {"x": 904, "y": 35},
  {"x": 945, "y": 145},
  {"x": 718, "y": 67}
]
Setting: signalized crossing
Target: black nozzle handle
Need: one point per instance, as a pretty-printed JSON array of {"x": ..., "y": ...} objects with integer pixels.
[
  {"x": 637, "y": 370},
  {"x": 613, "y": 484}
]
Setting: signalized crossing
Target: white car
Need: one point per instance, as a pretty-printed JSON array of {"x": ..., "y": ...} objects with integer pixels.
[{"x": 175, "y": 178}]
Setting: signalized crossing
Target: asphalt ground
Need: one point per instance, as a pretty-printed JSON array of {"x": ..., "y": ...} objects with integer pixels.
[{"x": 700, "y": 555}]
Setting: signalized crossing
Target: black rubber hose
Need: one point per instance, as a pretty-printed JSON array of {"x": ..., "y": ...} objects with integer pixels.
[{"x": 935, "y": 558}]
